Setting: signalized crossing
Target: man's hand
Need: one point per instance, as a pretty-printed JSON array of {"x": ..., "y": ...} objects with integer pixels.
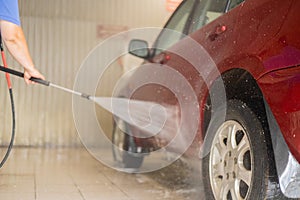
[{"x": 28, "y": 73}]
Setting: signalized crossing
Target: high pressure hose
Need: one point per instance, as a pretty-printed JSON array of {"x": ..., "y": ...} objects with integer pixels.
[{"x": 12, "y": 106}]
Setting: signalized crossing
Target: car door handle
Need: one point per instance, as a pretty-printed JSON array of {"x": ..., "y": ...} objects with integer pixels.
[{"x": 219, "y": 30}]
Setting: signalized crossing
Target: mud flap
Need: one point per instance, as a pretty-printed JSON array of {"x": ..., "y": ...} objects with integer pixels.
[{"x": 288, "y": 168}]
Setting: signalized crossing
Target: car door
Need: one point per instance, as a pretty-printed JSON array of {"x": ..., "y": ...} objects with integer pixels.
[{"x": 208, "y": 28}]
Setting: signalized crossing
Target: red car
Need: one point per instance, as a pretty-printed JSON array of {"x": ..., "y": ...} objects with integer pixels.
[{"x": 241, "y": 60}]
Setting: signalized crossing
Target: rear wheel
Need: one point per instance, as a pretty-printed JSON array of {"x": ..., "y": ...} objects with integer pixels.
[
  {"x": 124, "y": 149},
  {"x": 238, "y": 165}
]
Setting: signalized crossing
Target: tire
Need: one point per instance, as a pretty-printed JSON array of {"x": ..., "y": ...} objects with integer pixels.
[
  {"x": 238, "y": 164},
  {"x": 124, "y": 148}
]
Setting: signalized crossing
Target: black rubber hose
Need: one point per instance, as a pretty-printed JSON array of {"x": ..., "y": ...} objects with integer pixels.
[
  {"x": 13, "y": 129},
  {"x": 11, "y": 143}
]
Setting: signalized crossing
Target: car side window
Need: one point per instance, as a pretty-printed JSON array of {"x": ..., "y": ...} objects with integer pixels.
[
  {"x": 178, "y": 22},
  {"x": 235, "y": 3},
  {"x": 208, "y": 10}
]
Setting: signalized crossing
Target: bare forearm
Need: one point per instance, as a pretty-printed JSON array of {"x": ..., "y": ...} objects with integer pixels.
[{"x": 17, "y": 46}]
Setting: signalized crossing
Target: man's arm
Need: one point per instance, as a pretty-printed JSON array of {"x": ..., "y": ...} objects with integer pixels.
[{"x": 15, "y": 42}]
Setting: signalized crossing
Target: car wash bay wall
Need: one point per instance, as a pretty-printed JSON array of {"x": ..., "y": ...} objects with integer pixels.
[{"x": 60, "y": 34}]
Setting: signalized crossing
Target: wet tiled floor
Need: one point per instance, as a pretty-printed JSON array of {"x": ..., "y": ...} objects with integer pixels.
[{"x": 73, "y": 174}]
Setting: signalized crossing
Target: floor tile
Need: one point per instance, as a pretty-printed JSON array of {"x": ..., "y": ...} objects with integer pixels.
[
  {"x": 59, "y": 196},
  {"x": 17, "y": 196},
  {"x": 73, "y": 174}
]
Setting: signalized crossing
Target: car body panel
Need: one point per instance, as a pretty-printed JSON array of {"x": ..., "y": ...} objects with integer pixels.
[
  {"x": 261, "y": 45},
  {"x": 253, "y": 49},
  {"x": 265, "y": 52}
]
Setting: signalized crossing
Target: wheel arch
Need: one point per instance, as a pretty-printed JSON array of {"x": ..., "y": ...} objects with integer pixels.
[{"x": 232, "y": 80}]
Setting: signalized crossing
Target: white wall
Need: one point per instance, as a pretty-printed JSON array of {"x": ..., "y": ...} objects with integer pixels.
[{"x": 60, "y": 34}]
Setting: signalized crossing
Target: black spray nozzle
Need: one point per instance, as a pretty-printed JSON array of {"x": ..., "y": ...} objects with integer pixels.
[{"x": 85, "y": 96}]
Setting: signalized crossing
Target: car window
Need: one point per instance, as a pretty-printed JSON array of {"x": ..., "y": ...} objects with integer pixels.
[
  {"x": 235, "y": 3},
  {"x": 208, "y": 10},
  {"x": 179, "y": 23},
  {"x": 190, "y": 16}
]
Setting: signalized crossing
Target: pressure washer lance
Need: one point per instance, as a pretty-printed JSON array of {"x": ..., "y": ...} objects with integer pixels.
[{"x": 44, "y": 82}]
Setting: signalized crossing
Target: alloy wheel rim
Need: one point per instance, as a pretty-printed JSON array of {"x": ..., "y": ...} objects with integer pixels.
[{"x": 230, "y": 162}]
